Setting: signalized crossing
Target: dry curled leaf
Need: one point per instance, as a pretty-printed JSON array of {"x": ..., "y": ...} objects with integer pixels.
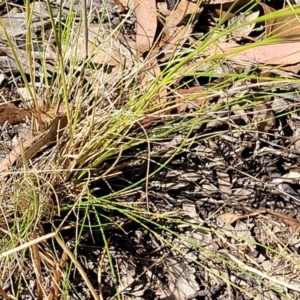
[
  {"x": 269, "y": 22},
  {"x": 285, "y": 55},
  {"x": 173, "y": 34},
  {"x": 12, "y": 114},
  {"x": 184, "y": 9},
  {"x": 146, "y": 24},
  {"x": 286, "y": 26},
  {"x": 286, "y": 219},
  {"x": 31, "y": 147},
  {"x": 230, "y": 218},
  {"x": 15, "y": 154}
]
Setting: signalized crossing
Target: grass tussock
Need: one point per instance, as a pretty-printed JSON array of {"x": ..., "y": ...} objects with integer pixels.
[{"x": 100, "y": 175}]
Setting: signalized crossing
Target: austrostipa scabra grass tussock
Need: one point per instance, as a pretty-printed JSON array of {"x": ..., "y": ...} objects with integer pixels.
[{"x": 153, "y": 171}]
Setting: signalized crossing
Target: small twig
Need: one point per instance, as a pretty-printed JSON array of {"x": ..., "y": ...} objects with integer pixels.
[{"x": 86, "y": 54}]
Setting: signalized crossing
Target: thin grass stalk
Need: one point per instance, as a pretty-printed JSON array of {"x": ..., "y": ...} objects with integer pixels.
[
  {"x": 106, "y": 247},
  {"x": 61, "y": 66}
]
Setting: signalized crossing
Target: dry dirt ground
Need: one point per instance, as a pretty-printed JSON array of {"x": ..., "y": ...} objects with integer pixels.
[{"x": 233, "y": 188}]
